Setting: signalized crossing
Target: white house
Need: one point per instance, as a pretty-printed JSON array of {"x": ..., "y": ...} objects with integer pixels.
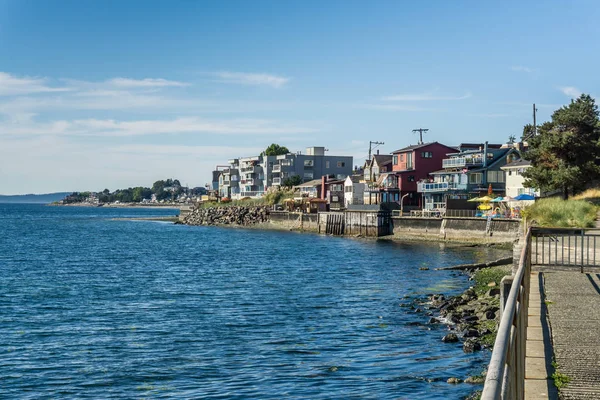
[
  {"x": 514, "y": 179},
  {"x": 354, "y": 190}
]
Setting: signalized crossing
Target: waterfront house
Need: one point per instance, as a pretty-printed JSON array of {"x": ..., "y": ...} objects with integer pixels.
[
  {"x": 378, "y": 164},
  {"x": 513, "y": 173},
  {"x": 310, "y": 189},
  {"x": 354, "y": 190},
  {"x": 410, "y": 165},
  {"x": 332, "y": 190},
  {"x": 472, "y": 171}
]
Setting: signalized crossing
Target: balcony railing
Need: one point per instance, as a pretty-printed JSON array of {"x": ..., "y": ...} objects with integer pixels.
[
  {"x": 247, "y": 182},
  {"x": 435, "y": 206},
  {"x": 276, "y": 181},
  {"x": 424, "y": 187},
  {"x": 252, "y": 194},
  {"x": 251, "y": 169},
  {"x": 459, "y": 162},
  {"x": 276, "y": 168},
  {"x": 226, "y": 181}
]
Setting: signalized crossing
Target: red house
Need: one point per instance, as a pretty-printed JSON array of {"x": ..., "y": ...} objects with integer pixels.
[{"x": 414, "y": 163}]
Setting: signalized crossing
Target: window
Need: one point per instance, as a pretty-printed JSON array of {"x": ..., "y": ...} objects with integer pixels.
[
  {"x": 495, "y": 176},
  {"x": 326, "y": 164},
  {"x": 426, "y": 154},
  {"x": 476, "y": 177},
  {"x": 401, "y": 157},
  {"x": 348, "y": 189},
  {"x": 341, "y": 164},
  {"x": 395, "y": 162},
  {"x": 510, "y": 172},
  {"x": 308, "y": 163},
  {"x": 411, "y": 178}
]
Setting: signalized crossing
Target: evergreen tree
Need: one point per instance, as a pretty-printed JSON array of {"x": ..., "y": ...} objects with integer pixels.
[{"x": 564, "y": 152}]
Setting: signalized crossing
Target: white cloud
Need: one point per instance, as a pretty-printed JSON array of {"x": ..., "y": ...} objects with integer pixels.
[
  {"x": 570, "y": 91},
  {"x": 11, "y": 85},
  {"x": 425, "y": 97},
  {"x": 251, "y": 79},
  {"x": 144, "y": 83},
  {"x": 109, "y": 127},
  {"x": 393, "y": 107},
  {"x": 521, "y": 68}
]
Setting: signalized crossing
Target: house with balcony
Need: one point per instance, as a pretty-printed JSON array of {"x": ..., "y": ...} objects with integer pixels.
[
  {"x": 473, "y": 171},
  {"x": 513, "y": 174},
  {"x": 412, "y": 164}
]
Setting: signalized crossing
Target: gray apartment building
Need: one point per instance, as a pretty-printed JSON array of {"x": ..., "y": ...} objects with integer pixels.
[{"x": 252, "y": 176}]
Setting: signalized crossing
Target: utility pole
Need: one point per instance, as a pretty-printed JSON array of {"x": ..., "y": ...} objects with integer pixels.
[
  {"x": 534, "y": 123},
  {"x": 376, "y": 144},
  {"x": 421, "y": 131}
]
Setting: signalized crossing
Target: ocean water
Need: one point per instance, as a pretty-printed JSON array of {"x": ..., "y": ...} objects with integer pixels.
[{"x": 97, "y": 307}]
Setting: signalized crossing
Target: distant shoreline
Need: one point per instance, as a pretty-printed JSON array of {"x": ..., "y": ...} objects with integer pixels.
[{"x": 125, "y": 205}]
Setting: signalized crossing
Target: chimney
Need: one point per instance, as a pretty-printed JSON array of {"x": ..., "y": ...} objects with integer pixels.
[
  {"x": 485, "y": 150},
  {"x": 377, "y": 151},
  {"x": 323, "y": 180}
]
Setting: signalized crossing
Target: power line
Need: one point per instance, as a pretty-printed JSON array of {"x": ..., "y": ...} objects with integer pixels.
[{"x": 376, "y": 144}]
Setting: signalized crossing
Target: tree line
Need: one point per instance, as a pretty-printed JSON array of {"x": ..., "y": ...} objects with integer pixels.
[
  {"x": 167, "y": 189},
  {"x": 565, "y": 151}
]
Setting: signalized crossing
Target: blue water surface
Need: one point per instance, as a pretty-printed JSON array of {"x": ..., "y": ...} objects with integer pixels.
[{"x": 97, "y": 307}]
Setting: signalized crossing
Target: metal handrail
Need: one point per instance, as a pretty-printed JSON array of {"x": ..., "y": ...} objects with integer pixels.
[{"x": 506, "y": 372}]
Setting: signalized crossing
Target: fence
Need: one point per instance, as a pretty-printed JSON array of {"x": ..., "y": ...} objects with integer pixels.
[
  {"x": 565, "y": 247},
  {"x": 506, "y": 373}
]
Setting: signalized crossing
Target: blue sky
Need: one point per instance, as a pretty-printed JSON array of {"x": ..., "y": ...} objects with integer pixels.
[{"x": 112, "y": 94}]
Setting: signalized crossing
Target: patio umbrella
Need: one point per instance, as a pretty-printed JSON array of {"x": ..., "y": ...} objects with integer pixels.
[
  {"x": 497, "y": 199},
  {"x": 485, "y": 199},
  {"x": 524, "y": 197},
  {"x": 475, "y": 199}
]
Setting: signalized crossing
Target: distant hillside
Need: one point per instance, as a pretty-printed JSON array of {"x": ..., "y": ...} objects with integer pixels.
[{"x": 33, "y": 198}]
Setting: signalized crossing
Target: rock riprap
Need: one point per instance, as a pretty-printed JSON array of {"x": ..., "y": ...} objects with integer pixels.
[{"x": 233, "y": 215}]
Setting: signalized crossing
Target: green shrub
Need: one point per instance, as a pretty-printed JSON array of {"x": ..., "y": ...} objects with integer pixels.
[
  {"x": 558, "y": 213},
  {"x": 486, "y": 275}
]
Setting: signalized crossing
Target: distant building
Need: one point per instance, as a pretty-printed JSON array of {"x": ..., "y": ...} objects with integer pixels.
[{"x": 252, "y": 176}]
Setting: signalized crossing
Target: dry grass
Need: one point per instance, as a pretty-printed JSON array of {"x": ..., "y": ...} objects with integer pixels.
[
  {"x": 558, "y": 213},
  {"x": 591, "y": 195}
]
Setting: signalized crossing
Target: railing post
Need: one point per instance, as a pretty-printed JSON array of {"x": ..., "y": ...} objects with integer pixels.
[{"x": 505, "y": 286}]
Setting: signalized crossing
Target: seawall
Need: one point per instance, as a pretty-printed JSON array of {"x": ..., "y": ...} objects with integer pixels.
[
  {"x": 479, "y": 230},
  {"x": 361, "y": 224}
]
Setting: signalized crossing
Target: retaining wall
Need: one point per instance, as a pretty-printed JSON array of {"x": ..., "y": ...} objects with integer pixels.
[{"x": 457, "y": 229}]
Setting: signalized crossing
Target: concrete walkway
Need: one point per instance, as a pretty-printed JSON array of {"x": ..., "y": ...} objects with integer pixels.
[
  {"x": 574, "y": 313},
  {"x": 538, "y": 361}
]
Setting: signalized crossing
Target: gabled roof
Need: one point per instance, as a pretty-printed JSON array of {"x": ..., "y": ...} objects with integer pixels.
[
  {"x": 517, "y": 164},
  {"x": 355, "y": 178},
  {"x": 418, "y": 146},
  {"x": 382, "y": 159},
  {"x": 412, "y": 147}
]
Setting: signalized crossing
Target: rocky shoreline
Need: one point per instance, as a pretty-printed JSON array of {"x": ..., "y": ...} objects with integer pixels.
[
  {"x": 233, "y": 215},
  {"x": 471, "y": 317}
]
